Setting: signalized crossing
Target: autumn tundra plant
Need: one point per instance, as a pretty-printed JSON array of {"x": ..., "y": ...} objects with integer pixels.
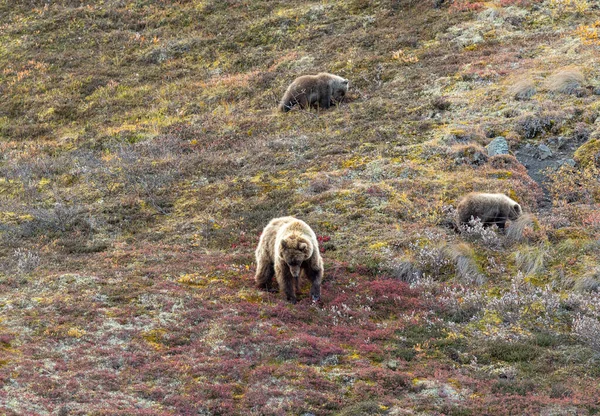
[
  {"x": 588, "y": 330},
  {"x": 531, "y": 125},
  {"x": 569, "y": 184},
  {"x": 475, "y": 231},
  {"x": 26, "y": 260}
]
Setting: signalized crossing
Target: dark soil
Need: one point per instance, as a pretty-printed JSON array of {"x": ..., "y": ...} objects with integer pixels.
[{"x": 531, "y": 157}]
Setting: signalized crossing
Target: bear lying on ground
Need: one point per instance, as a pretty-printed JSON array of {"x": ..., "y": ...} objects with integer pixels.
[
  {"x": 489, "y": 208},
  {"x": 322, "y": 91},
  {"x": 287, "y": 247}
]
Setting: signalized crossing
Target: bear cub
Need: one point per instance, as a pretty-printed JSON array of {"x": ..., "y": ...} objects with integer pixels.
[
  {"x": 321, "y": 91},
  {"x": 287, "y": 248},
  {"x": 489, "y": 208}
]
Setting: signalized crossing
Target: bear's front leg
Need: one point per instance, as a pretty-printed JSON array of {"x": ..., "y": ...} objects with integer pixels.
[
  {"x": 302, "y": 100},
  {"x": 501, "y": 223},
  {"x": 325, "y": 101},
  {"x": 296, "y": 285},
  {"x": 286, "y": 282},
  {"x": 289, "y": 290},
  {"x": 315, "y": 276}
]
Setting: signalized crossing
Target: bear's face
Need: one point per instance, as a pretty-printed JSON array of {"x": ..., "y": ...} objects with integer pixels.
[
  {"x": 294, "y": 253},
  {"x": 515, "y": 212},
  {"x": 339, "y": 90}
]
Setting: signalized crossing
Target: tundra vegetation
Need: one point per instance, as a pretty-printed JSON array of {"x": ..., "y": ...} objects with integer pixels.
[{"x": 142, "y": 153}]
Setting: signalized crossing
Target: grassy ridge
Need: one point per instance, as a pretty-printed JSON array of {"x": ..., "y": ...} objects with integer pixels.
[{"x": 142, "y": 154}]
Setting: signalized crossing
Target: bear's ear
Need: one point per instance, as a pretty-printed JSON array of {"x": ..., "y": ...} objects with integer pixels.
[
  {"x": 302, "y": 246},
  {"x": 345, "y": 81},
  {"x": 517, "y": 208}
]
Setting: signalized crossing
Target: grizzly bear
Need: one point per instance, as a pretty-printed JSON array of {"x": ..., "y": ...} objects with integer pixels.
[
  {"x": 321, "y": 91},
  {"x": 287, "y": 247},
  {"x": 489, "y": 208}
]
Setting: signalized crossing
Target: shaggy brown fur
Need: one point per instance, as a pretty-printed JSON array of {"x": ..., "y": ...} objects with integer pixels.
[
  {"x": 287, "y": 248},
  {"x": 321, "y": 91},
  {"x": 489, "y": 208}
]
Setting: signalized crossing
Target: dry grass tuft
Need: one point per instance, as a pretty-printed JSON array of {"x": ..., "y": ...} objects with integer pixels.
[
  {"x": 403, "y": 270},
  {"x": 523, "y": 90},
  {"x": 565, "y": 81},
  {"x": 589, "y": 283},
  {"x": 525, "y": 229},
  {"x": 463, "y": 257},
  {"x": 532, "y": 260}
]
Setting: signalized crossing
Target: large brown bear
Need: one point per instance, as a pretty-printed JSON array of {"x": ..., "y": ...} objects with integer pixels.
[
  {"x": 322, "y": 91},
  {"x": 489, "y": 208},
  {"x": 287, "y": 247}
]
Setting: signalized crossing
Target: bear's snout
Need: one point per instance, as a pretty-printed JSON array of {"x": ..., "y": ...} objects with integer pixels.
[{"x": 295, "y": 270}]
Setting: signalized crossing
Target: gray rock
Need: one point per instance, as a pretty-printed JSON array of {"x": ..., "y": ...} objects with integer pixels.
[
  {"x": 570, "y": 162},
  {"x": 561, "y": 142},
  {"x": 544, "y": 152},
  {"x": 498, "y": 146},
  {"x": 392, "y": 365}
]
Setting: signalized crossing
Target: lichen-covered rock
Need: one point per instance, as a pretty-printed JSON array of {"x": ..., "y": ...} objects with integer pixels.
[{"x": 498, "y": 146}]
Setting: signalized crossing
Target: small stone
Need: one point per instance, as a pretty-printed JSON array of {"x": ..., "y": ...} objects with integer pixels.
[
  {"x": 570, "y": 162},
  {"x": 544, "y": 152},
  {"x": 498, "y": 146}
]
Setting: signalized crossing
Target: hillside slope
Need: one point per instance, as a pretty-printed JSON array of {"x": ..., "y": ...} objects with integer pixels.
[{"x": 141, "y": 154}]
